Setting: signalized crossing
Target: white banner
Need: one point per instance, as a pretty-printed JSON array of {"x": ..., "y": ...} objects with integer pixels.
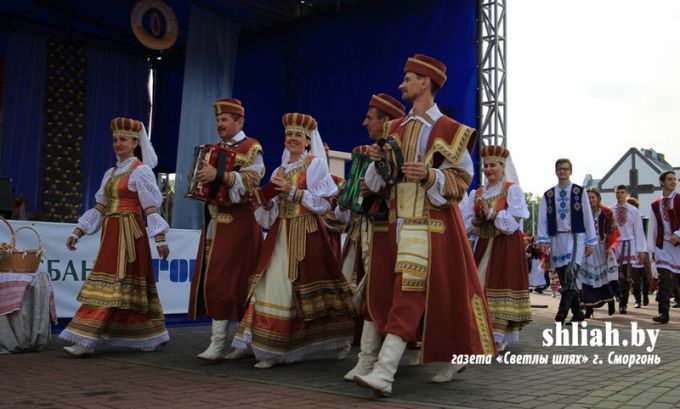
[{"x": 68, "y": 269}]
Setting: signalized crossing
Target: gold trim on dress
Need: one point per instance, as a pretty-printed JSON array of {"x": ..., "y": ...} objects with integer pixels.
[{"x": 482, "y": 325}]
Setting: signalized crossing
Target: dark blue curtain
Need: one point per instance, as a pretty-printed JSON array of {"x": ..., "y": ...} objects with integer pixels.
[
  {"x": 329, "y": 65},
  {"x": 167, "y": 108},
  {"x": 116, "y": 86},
  {"x": 208, "y": 76},
  {"x": 23, "y": 127}
]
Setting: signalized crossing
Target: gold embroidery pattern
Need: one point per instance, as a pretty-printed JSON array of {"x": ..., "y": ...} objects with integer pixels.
[
  {"x": 218, "y": 215},
  {"x": 410, "y": 142},
  {"x": 290, "y": 208},
  {"x": 488, "y": 229},
  {"x": 437, "y": 226},
  {"x": 111, "y": 189},
  {"x": 456, "y": 182},
  {"x": 129, "y": 232},
  {"x": 452, "y": 152},
  {"x": 298, "y": 229},
  {"x": 482, "y": 325}
]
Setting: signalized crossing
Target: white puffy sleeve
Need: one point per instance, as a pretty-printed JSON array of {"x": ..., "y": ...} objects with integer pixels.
[
  {"x": 373, "y": 180},
  {"x": 467, "y": 212},
  {"x": 588, "y": 221},
  {"x": 652, "y": 231},
  {"x": 542, "y": 223},
  {"x": 91, "y": 221},
  {"x": 639, "y": 233},
  {"x": 267, "y": 217},
  {"x": 508, "y": 219},
  {"x": 320, "y": 186},
  {"x": 343, "y": 216},
  {"x": 143, "y": 181}
]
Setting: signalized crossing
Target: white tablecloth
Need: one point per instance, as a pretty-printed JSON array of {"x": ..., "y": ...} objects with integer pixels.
[{"x": 26, "y": 307}]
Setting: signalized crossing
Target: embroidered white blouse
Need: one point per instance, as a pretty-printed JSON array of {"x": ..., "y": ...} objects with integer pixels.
[
  {"x": 142, "y": 181},
  {"x": 320, "y": 187},
  {"x": 507, "y": 220}
]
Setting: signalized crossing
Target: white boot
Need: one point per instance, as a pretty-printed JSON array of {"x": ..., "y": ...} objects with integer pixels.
[
  {"x": 447, "y": 372},
  {"x": 266, "y": 363},
  {"x": 370, "y": 347},
  {"x": 344, "y": 351},
  {"x": 382, "y": 376},
  {"x": 239, "y": 353},
  {"x": 219, "y": 335},
  {"x": 413, "y": 357},
  {"x": 500, "y": 346},
  {"x": 79, "y": 350}
]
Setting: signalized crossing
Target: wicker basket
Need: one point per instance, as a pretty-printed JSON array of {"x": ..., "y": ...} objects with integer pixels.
[{"x": 19, "y": 261}]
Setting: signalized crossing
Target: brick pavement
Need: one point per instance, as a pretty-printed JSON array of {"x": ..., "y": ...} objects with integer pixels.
[{"x": 173, "y": 378}]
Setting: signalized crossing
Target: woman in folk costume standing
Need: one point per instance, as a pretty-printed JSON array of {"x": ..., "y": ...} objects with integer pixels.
[
  {"x": 120, "y": 304},
  {"x": 494, "y": 213},
  {"x": 599, "y": 273},
  {"x": 299, "y": 303}
]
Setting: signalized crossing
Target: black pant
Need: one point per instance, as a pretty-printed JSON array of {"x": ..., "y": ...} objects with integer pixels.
[
  {"x": 676, "y": 288},
  {"x": 630, "y": 275},
  {"x": 640, "y": 284},
  {"x": 569, "y": 298},
  {"x": 666, "y": 283}
]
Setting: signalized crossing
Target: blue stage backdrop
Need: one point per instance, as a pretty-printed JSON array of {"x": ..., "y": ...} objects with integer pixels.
[{"x": 329, "y": 65}]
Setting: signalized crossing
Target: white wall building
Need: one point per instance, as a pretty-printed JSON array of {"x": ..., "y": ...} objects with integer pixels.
[{"x": 639, "y": 168}]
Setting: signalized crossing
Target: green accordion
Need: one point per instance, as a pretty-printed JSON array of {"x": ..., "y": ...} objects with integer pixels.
[{"x": 351, "y": 195}]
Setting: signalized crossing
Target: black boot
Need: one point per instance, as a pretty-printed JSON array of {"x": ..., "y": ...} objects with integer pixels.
[
  {"x": 645, "y": 291},
  {"x": 664, "y": 303},
  {"x": 636, "y": 295},
  {"x": 662, "y": 318},
  {"x": 589, "y": 312},
  {"x": 565, "y": 303},
  {"x": 576, "y": 312},
  {"x": 611, "y": 307}
]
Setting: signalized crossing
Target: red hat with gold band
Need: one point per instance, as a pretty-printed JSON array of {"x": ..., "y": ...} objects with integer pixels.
[
  {"x": 126, "y": 126},
  {"x": 299, "y": 122},
  {"x": 388, "y": 104},
  {"x": 229, "y": 106},
  {"x": 427, "y": 66},
  {"x": 494, "y": 152}
]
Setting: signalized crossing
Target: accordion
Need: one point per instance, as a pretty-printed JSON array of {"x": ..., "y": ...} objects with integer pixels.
[
  {"x": 220, "y": 158},
  {"x": 373, "y": 206},
  {"x": 351, "y": 195}
]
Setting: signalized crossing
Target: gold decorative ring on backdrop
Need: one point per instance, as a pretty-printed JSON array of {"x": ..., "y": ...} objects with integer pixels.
[{"x": 158, "y": 9}]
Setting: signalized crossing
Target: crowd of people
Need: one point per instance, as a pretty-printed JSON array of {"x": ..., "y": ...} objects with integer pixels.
[
  {"x": 408, "y": 280},
  {"x": 595, "y": 255}
]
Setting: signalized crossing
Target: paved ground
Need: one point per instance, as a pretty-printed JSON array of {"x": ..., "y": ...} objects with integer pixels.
[{"x": 173, "y": 378}]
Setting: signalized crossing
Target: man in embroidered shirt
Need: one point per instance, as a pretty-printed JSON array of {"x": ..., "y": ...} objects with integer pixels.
[
  {"x": 427, "y": 168},
  {"x": 663, "y": 240},
  {"x": 564, "y": 216},
  {"x": 632, "y": 249},
  {"x": 219, "y": 286}
]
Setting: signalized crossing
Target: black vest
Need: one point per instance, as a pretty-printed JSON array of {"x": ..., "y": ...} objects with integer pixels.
[{"x": 575, "y": 210}]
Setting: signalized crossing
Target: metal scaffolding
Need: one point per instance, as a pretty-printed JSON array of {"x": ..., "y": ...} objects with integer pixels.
[{"x": 491, "y": 68}]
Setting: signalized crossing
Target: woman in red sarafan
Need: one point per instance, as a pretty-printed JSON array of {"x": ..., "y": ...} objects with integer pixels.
[
  {"x": 120, "y": 304},
  {"x": 300, "y": 302},
  {"x": 494, "y": 214}
]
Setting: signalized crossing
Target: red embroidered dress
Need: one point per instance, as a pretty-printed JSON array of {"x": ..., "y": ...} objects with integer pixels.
[
  {"x": 120, "y": 304},
  {"x": 299, "y": 302},
  {"x": 500, "y": 257}
]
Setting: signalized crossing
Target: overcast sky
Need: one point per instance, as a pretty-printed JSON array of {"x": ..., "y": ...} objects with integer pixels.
[{"x": 588, "y": 80}]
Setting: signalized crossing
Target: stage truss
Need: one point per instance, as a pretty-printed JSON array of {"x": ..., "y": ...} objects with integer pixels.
[{"x": 492, "y": 72}]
